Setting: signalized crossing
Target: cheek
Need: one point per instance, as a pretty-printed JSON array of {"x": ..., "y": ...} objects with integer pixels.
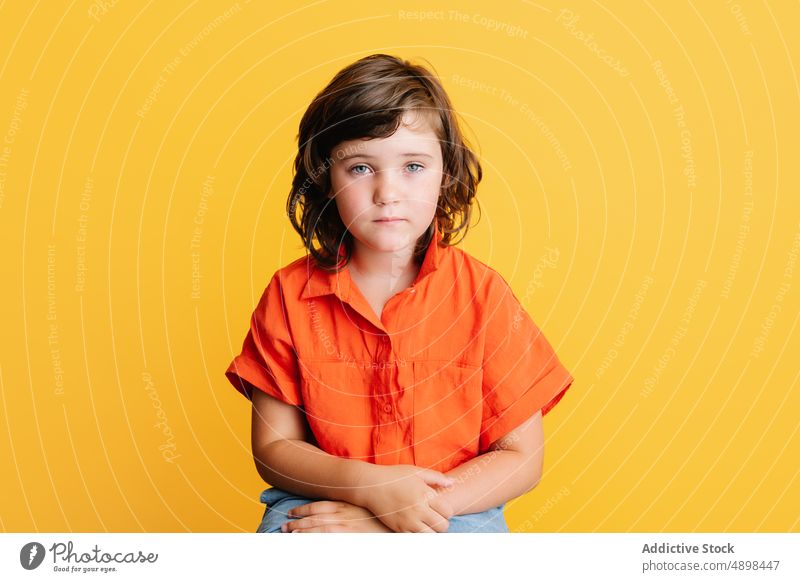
[
  {"x": 433, "y": 188},
  {"x": 434, "y": 181},
  {"x": 350, "y": 204}
]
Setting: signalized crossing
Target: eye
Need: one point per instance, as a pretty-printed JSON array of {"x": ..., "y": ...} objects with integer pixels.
[
  {"x": 357, "y": 169},
  {"x": 415, "y": 168}
]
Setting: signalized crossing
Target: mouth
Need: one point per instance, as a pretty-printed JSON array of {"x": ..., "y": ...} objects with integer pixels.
[{"x": 389, "y": 220}]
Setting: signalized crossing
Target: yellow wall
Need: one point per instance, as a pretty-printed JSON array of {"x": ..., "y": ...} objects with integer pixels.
[{"x": 640, "y": 195}]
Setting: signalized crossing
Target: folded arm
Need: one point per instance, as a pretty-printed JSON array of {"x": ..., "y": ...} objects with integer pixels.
[
  {"x": 284, "y": 458},
  {"x": 401, "y": 496},
  {"x": 511, "y": 467}
]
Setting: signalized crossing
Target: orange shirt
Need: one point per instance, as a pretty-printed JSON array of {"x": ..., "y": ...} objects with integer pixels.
[{"x": 453, "y": 363}]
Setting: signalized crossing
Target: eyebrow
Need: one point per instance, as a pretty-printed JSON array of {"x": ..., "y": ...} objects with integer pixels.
[{"x": 405, "y": 155}]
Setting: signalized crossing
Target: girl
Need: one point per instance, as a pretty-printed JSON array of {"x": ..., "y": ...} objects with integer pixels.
[{"x": 397, "y": 383}]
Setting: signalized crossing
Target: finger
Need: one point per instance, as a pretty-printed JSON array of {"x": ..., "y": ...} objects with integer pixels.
[
  {"x": 328, "y": 528},
  {"x": 313, "y": 508},
  {"x": 307, "y": 522},
  {"x": 436, "y": 522},
  {"x": 441, "y": 506},
  {"x": 416, "y": 526},
  {"x": 435, "y": 478}
]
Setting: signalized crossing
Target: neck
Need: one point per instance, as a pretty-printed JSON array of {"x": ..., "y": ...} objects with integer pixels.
[{"x": 392, "y": 267}]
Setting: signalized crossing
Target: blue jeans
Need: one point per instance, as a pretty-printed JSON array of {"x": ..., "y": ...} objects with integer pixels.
[{"x": 279, "y": 502}]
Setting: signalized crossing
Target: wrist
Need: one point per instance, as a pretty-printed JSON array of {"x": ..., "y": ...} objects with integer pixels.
[{"x": 363, "y": 478}]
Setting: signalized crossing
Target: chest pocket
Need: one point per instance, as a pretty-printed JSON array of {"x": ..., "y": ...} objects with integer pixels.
[
  {"x": 448, "y": 409},
  {"x": 337, "y": 403}
]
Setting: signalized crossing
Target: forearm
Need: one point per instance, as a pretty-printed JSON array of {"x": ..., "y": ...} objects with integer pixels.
[
  {"x": 306, "y": 470},
  {"x": 491, "y": 479}
]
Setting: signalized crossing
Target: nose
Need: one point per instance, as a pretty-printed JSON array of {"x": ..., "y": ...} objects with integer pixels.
[{"x": 386, "y": 189}]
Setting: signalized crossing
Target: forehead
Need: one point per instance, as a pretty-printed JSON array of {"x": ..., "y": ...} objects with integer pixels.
[{"x": 415, "y": 130}]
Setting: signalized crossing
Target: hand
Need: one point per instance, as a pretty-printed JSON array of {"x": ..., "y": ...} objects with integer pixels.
[
  {"x": 333, "y": 516},
  {"x": 405, "y": 498}
]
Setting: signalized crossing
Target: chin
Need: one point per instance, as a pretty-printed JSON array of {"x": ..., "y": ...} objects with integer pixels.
[{"x": 389, "y": 244}]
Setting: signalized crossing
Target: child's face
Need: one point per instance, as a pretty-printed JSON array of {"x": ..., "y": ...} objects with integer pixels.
[{"x": 397, "y": 177}]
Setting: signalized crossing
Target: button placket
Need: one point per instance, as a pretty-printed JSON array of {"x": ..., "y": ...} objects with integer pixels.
[{"x": 383, "y": 351}]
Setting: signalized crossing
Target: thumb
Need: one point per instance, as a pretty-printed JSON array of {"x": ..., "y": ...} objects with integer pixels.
[{"x": 436, "y": 478}]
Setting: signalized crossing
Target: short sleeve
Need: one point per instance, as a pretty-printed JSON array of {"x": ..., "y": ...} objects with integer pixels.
[
  {"x": 521, "y": 372},
  {"x": 268, "y": 360}
]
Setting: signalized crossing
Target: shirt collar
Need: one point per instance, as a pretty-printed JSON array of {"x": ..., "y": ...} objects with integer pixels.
[{"x": 321, "y": 282}]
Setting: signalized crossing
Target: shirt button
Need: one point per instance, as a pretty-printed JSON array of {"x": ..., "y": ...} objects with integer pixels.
[{"x": 387, "y": 408}]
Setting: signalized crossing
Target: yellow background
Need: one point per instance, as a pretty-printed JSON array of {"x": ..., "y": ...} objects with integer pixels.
[{"x": 640, "y": 195}]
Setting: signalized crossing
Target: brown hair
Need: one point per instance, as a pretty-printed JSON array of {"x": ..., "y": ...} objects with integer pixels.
[{"x": 368, "y": 99}]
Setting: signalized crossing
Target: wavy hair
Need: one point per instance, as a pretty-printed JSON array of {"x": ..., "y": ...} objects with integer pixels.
[{"x": 368, "y": 99}]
